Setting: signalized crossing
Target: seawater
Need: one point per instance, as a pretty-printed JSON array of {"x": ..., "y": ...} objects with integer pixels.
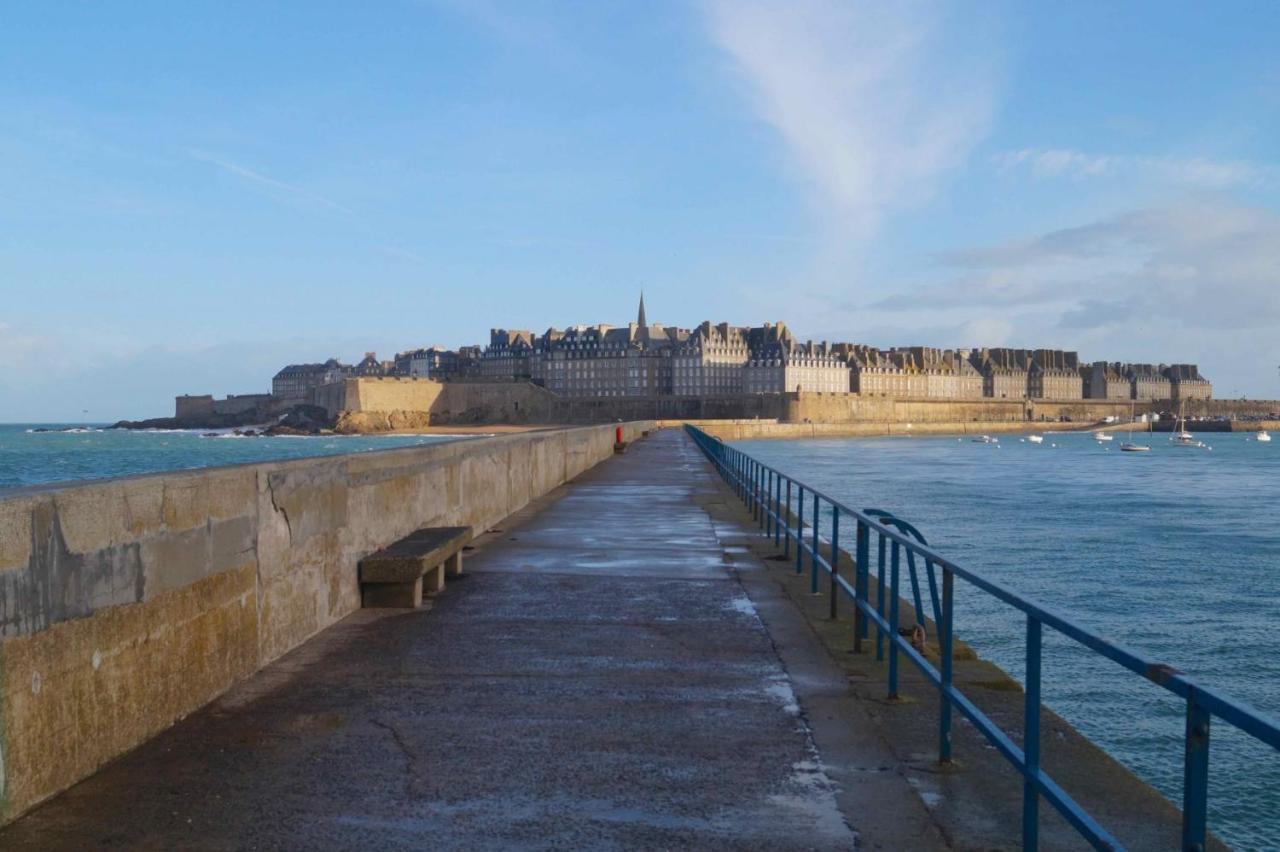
[
  {"x": 28, "y": 457},
  {"x": 1175, "y": 552}
]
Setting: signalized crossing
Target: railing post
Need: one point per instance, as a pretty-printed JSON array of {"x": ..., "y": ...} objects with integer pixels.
[
  {"x": 800, "y": 530},
  {"x": 764, "y": 499},
  {"x": 777, "y": 510},
  {"x": 1031, "y": 740},
  {"x": 768, "y": 503},
  {"x": 880, "y": 592},
  {"x": 813, "y": 555},
  {"x": 861, "y": 555},
  {"x": 1195, "y": 776},
  {"x": 758, "y": 483},
  {"x": 945, "y": 649},
  {"x": 786, "y": 527},
  {"x": 893, "y": 624},
  {"x": 835, "y": 558}
]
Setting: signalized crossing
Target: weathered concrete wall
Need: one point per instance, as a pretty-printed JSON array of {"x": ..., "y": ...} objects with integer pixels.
[{"x": 126, "y": 604}]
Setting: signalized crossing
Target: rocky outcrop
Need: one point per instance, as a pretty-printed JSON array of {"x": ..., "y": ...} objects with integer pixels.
[
  {"x": 299, "y": 420},
  {"x": 372, "y": 422}
]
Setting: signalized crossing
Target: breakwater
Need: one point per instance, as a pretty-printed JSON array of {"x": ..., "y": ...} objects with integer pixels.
[
  {"x": 126, "y": 604},
  {"x": 1171, "y": 552}
]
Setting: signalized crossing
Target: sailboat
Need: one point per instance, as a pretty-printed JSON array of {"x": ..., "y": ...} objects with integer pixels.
[
  {"x": 1181, "y": 437},
  {"x": 1129, "y": 446}
]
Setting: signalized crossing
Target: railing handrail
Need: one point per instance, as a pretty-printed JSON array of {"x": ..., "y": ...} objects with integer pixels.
[{"x": 1203, "y": 702}]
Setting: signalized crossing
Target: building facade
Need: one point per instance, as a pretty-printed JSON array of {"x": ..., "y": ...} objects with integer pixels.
[
  {"x": 944, "y": 373},
  {"x": 778, "y": 364},
  {"x": 1103, "y": 380},
  {"x": 1054, "y": 374},
  {"x": 1005, "y": 372},
  {"x": 509, "y": 355},
  {"x": 1185, "y": 382},
  {"x": 873, "y": 372},
  {"x": 711, "y": 361},
  {"x": 296, "y": 381},
  {"x": 1147, "y": 382}
]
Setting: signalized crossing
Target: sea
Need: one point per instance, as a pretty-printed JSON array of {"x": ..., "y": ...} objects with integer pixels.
[
  {"x": 29, "y": 455},
  {"x": 1175, "y": 552}
]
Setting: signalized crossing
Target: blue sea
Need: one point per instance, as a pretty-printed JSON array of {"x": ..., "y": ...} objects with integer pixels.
[
  {"x": 1175, "y": 552},
  {"x": 29, "y": 457}
]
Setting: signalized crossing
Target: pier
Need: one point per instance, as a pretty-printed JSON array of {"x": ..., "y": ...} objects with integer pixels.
[{"x": 626, "y": 661}]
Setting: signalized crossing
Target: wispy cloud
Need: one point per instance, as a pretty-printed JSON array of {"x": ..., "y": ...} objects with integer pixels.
[
  {"x": 503, "y": 22},
  {"x": 1201, "y": 172},
  {"x": 1201, "y": 263},
  {"x": 279, "y": 187},
  {"x": 874, "y": 101}
]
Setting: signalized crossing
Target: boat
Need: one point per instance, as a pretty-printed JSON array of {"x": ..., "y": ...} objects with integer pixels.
[
  {"x": 1181, "y": 437},
  {"x": 985, "y": 439},
  {"x": 1129, "y": 446},
  {"x": 1036, "y": 439},
  {"x": 1102, "y": 436},
  {"x": 1262, "y": 436}
]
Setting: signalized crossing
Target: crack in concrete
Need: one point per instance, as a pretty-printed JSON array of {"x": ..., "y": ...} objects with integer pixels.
[{"x": 410, "y": 756}]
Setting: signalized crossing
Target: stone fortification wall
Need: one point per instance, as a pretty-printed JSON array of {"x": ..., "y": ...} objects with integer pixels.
[
  {"x": 452, "y": 403},
  {"x": 839, "y": 408},
  {"x": 744, "y": 430},
  {"x": 126, "y": 604}
]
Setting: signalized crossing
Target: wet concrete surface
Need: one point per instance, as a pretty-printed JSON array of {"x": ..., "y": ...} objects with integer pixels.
[{"x": 613, "y": 671}]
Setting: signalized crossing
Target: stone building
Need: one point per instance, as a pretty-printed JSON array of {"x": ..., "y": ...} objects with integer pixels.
[
  {"x": 1054, "y": 374},
  {"x": 1148, "y": 382},
  {"x": 946, "y": 373},
  {"x": 1103, "y": 380},
  {"x": 296, "y": 381},
  {"x": 508, "y": 356},
  {"x": 711, "y": 361},
  {"x": 603, "y": 361},
  {"x": 779, "y": 364},
  {"x": 1005, "y": 372},
  {"x": 873, "y": 372},
  {"x": 1185, "y": 382},
  {"x": 433, "y": 362},
  {"x": 370, "y": 367}
]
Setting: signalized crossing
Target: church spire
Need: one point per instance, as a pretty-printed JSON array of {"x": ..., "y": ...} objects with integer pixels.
[{"x": 640, "y": 320}]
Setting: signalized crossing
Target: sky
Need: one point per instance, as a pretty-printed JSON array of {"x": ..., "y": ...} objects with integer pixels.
[{"x": 194, "y": 194}]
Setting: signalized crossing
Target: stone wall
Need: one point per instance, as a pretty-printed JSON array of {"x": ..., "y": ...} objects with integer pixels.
[
  {"x": 452, "y": 403},
  {"x": 126, "y": 604}
]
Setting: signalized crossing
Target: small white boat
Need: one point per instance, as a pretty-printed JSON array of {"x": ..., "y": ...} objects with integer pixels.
[
  {"x": 985, "y": 439},
  {"x": 1182, "y": 438},
  {"x": 1129, "y": 446},
  {"x": 1262, "y": 436},
  {"x": 1036, "y": 439},
  {"x": 1102, "y": 436}
]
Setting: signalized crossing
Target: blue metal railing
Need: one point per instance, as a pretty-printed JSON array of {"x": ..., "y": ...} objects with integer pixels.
[{"x": 768, "y": 494}]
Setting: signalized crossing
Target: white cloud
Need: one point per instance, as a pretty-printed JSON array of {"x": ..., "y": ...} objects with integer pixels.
[
  {"x": 874, "y": 101},
  {"x": 1200, "y": 172},
  {"x": 1197, "y": 280},
  {"x": 279, "y": 187}
]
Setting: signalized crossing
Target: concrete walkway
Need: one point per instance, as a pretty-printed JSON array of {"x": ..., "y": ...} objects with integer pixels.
[{"x": 612, "y": 671}]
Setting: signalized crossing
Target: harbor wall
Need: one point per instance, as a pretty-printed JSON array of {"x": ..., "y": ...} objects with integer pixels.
[
  {"x": 429, "y": 402},
  {"x": 126, "y": 604},
  {"x": 746, "y": 430}
]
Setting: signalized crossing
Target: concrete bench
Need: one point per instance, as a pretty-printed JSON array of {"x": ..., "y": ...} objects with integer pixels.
[{"x": 397, "y": 575}]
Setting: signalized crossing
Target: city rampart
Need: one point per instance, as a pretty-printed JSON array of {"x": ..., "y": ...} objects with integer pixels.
[{"x": 126, "y": 604}]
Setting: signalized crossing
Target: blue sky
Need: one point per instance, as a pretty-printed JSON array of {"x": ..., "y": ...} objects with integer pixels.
[{"x": 193, "y": 194}]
